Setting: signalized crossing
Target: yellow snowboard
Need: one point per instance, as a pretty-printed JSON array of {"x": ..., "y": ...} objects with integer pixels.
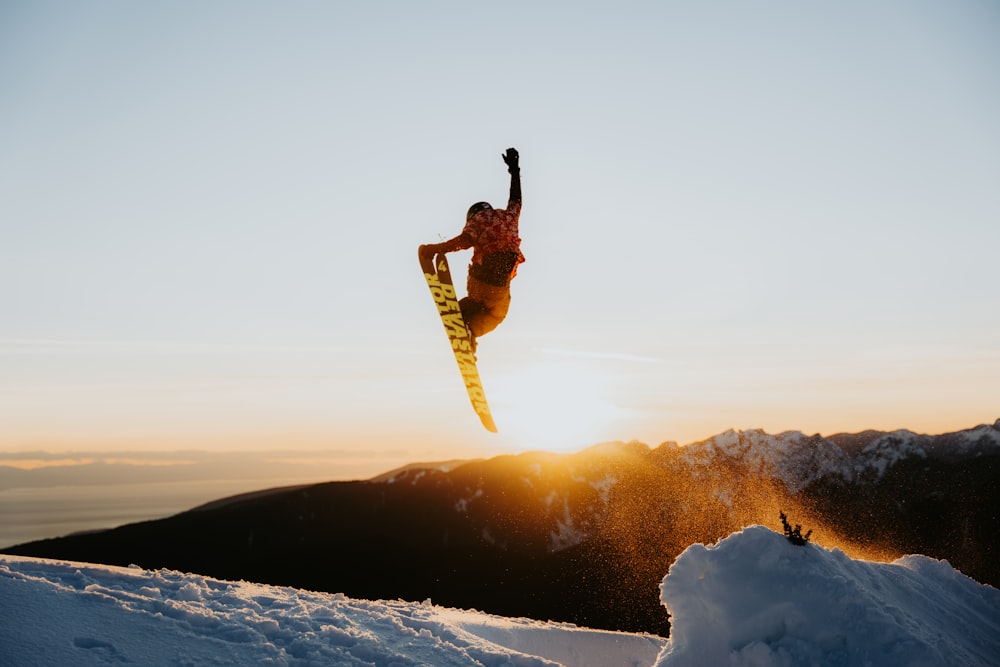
[{"x": 438, "y": 277}]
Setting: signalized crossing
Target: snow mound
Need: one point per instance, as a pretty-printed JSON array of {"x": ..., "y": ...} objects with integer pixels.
[
  {"x": 57, "y": 613},
  {"x": 755, "y": 599}
]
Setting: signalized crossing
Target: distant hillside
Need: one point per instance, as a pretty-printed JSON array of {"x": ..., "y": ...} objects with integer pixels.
[
  {"x": 111, "y": 468},
  {"x": 538, "y": 534}
]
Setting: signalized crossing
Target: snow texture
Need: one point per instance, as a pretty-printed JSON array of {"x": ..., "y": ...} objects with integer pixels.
[
  {"x": 755, "y": 599},
  {"x": 56, "y": 613},
  {"x": 798, "y": 460},
  {"x": 752, "y": 600}
]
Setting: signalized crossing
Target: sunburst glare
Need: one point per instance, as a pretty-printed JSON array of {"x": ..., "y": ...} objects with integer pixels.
[{"x": 555, "y": 406}]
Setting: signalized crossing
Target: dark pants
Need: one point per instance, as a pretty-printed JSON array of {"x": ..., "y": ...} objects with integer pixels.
[{"x": 488, "y": 290}]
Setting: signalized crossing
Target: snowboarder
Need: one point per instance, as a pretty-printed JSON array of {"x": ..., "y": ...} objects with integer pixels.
[{"x": 493, "y": 235}]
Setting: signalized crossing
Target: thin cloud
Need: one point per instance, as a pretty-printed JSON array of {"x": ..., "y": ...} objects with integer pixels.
[
  {"x": 43, "y": 344},
  {"x": 609, "y": 356}
]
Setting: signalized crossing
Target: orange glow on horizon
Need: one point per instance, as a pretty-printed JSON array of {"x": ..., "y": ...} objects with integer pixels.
[
  {"x": 557, "y": 406},
  {"x": 35, "y": 464}
]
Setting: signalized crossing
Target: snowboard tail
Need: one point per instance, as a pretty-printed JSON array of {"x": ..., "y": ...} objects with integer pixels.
[{"x": 438, "y": 277}]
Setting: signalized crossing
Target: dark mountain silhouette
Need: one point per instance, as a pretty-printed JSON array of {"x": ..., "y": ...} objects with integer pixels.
[{"x": 585, "y": 537}]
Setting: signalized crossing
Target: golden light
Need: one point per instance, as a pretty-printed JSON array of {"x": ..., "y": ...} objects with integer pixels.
[{"x": 554, "y": 406}]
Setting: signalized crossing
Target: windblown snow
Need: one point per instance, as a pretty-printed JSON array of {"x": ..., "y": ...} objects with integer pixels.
[{"x": 752, "y": 599}]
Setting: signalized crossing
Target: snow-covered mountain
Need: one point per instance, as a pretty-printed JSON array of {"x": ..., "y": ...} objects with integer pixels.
[
  {"x": 798, "y": 460},
  {"x": 752, "y": 599},
  {"x": 582, "y": 537}
]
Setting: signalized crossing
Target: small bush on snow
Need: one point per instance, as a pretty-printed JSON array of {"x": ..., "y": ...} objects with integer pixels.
[{"x": 794, "y": 535}]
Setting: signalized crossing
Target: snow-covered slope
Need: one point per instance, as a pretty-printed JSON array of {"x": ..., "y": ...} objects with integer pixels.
[
  {"x": 752, "y": 599},
  {"x": 756, "y": 599},
  {"x": 59, "y": 613}
]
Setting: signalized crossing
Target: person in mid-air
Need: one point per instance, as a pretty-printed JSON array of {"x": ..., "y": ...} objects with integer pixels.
[{"x": 493, "y": 235}]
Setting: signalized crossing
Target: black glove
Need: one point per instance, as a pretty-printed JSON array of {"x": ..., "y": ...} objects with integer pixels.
[{"x": 511, "y": 158}]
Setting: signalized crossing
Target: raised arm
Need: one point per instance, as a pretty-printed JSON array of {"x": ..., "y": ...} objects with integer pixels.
[{"x": 514, "y": 169}]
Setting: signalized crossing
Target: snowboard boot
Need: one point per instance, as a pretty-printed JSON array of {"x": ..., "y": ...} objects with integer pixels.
[
  {"x": 472, "y": 341},
  {"x": 470, "y": 309}
]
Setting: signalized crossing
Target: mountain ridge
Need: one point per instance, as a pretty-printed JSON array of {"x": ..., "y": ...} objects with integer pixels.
[
  {"x": 534, "y": 534},
  {"x": 849, "y": 456}
]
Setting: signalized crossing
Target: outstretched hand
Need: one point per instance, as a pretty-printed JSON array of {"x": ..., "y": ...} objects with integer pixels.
[
  {"x": 511, "y": 158},
  {"x": 428, "y": 251}
]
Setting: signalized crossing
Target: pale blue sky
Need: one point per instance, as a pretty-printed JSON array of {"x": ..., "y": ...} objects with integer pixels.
[{"x": 771, "y": 214}]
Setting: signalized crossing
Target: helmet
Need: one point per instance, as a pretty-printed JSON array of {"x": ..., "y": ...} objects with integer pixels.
[{"x": 476, "y": 208}]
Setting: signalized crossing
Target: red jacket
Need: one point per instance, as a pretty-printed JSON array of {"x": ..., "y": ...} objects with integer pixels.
[{"x": 495, "y": 230}]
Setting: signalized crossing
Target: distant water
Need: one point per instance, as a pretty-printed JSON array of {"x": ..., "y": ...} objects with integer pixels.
[{"x": 28, "y": 514}]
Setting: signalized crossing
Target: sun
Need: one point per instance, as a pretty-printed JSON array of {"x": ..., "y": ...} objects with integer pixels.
[{"x": 554, "y": 406}]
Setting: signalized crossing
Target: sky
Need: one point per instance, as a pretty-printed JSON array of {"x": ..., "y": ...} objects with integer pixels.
[{"x": 736, "y": 215}]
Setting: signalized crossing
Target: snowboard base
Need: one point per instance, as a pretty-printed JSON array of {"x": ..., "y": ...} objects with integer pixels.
[{"x": 439, "y": 281}]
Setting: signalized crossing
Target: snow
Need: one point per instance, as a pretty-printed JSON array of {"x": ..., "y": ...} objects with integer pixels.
[
  {"x": 793, "y": 458},
  {"x": 798, "y": 460},
  {"x": 567, "y": 533},
  {"x": 603, "y": 487},
  {"x": 753, "y": 599},
  {"x": 58, "y": 613}
]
